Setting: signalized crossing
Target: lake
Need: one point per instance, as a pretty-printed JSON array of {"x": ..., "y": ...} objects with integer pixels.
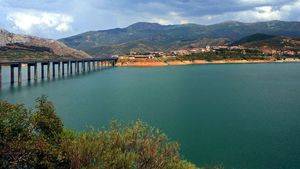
[{"x": 238, "y": 115}]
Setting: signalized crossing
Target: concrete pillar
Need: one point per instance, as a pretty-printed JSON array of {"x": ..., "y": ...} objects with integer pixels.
[
  {"x": 68, "y": 68},
  {"x": 76, "y": 67},
  {"x": 20, "y": 73},
  {"x": 71, "y": 68},
  {"x": 94, "y": 66},
  {"x": 42, "y": 71},
  {"x": 53, "y": 69},
  {"x": 48, "y": 71},
  {"x": 63, "y": 69},
  {"x": 35, "y": 72},
  {"x": 89, "y": 66},
  {"x": 12, "y": 74},
  {"x": 28, "y": 72},
  {"x": 83, "y": 66},
  {"x": 59, "y": 70}
]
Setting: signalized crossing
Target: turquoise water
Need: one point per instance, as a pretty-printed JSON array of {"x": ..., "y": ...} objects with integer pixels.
[{"x": 238, "y": 115}]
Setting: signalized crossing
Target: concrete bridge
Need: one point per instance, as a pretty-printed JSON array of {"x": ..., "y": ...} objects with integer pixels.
[{"x": 72, "y": 65}]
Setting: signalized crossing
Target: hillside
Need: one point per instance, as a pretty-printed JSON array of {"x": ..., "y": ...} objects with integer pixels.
[
  {"x": 21, "y": 47},
  {"x": 264, "y": 41},
  {"x": 145, "y": 37}
]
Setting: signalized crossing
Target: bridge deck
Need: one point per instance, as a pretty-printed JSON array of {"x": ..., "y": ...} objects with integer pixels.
[
  {"x": 108, "y": 61},
  {"x": 57, "y": 60}
]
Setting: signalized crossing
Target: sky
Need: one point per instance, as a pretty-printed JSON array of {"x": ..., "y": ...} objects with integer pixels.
[{"x": 62, "y": 18}]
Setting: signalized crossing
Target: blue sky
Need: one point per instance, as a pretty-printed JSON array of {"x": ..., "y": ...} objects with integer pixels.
[{"x": 62, "y": 18}]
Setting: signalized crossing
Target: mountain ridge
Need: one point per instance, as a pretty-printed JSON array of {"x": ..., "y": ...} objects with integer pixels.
[{"x": 149, "y": 37}]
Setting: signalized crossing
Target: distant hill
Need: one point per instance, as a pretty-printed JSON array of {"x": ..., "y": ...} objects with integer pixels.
[
  {"x": 21, "y": 47},
  {"x": 264, "y": 41},
  {"x": 145, "y": 37},
  {"x": 253, "y": 38}
]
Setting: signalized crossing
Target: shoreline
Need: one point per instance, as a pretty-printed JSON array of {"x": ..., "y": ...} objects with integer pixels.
[{"x": 158, "y": 63}]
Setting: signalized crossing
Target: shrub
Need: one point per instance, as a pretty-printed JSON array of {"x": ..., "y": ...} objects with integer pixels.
[
  {"x": 123, "y": 146},
  {"x": 36, "y": 139},
  {"x": 23, "y": 143}
]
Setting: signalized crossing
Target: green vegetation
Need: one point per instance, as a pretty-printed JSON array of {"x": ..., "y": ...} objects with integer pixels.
[
  {"x": 253, "y": 38},
  {"x": 36, "y": 139},
  {"x": 224, "y": 54}
]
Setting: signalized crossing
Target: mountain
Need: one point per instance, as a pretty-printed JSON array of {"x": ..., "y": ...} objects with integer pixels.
[
  {"x": 21, "y": 47},
  {"x": 264, "y": 41},
  {"x": 253, "y": 38},
  {"x": 147, "y": 37}
]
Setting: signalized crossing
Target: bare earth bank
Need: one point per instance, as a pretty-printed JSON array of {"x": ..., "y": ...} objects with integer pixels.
[{"x": 157, "y": 63}]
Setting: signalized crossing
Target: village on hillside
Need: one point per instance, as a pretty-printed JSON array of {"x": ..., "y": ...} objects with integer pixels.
[{"x": 241, "y": 50}]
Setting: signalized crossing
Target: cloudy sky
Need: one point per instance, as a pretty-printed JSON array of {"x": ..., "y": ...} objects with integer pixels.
[{"x": 62, "y": 18}]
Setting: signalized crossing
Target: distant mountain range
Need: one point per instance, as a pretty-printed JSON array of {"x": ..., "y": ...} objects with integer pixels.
[
  {"x": 149, "y": 37},
  {"x": 21, "y": 47}
]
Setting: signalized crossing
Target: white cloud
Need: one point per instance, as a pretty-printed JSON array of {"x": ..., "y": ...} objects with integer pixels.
[
  {"x": 256, "y": 2},
  {"x": 262, "y": 13},
  {"x": 170, "y": 18},
  {"x": 265, "y": 13},
  {"x": 29, "y": 21},
  {"x": 289, "y": 10}
]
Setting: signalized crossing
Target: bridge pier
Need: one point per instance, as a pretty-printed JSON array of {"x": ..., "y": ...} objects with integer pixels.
[
  {"x": 53, "y": 69},
  {"x": 94, "y": 66},
  {"x": 48, "y": 71},
  {"x": 89, "y": 66},
  {"x": 35, "y": 72},
  {"x": 20, "y": 74},
  {"x": 43, "y": 64},
  {"x": 63, "y": 67},
  {"x": 77, "y": 67},
  {"x": 28, "y": 72},
  {"x": 68, "y": 67},
  {"x": 42, "y": 71},
  {"x": 29, "y": 65},
  {"x": 71, "y": 68},
  {"x": 12, "y": 74},
  {"x": 59, "y": 70},
  {"x": 83, "y": 66},
  {"x": 97, "y": 65}
]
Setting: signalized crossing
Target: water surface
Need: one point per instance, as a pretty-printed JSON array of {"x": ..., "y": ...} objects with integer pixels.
[{"x": 239, "y": 115}]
